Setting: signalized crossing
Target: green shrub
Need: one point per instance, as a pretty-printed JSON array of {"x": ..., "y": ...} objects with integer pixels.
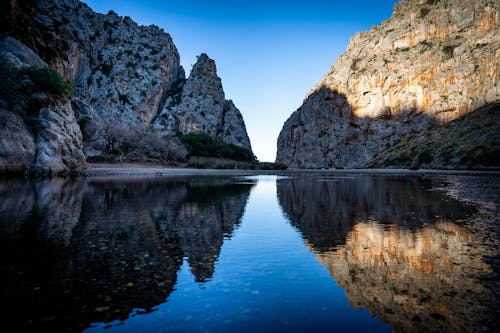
[
  {"x": 8, "y": 83},
  {"x": 202, "y": 144},
  {"x": 271, "y": 166},
  {"x": 48, "y": 80},
  {"x": 425, "y": 157},
  {"x": 176, "y": 100},
  {"x": 20, "y": 88},
  {"x": 424, "y": 11},
  {"x": 448, "y": 51}
]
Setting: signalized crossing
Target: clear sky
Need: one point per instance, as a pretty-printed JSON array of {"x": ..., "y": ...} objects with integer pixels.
[{"x": 269, "y": 54}]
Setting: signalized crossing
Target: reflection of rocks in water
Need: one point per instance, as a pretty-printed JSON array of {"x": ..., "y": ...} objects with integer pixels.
[
  {"x": 54, "y": 203},
  {"x": 392, "y": 247},
  {"x": 203, "y": 220},
  {"x": 417, "y": 281},
  {"x": 325, "y": 209},
  {"x": 78, "y": 252}
]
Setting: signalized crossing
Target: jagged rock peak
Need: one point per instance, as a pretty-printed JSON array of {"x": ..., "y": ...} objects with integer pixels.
[
  {"x": 200, "y": 107},
  {"x": 204, "y": 66},
  {"x": 430, "y": 63},
  {"x": 127, "y": 79}
]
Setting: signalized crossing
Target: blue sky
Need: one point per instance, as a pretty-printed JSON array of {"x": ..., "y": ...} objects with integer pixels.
[{"x": 269, "y": 54}]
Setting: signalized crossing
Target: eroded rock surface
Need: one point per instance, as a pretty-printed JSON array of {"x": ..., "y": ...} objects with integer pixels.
[
  {"x": 124, "y": 75},
  {"x": 200, "y": 106},
  {"x": 38, "y": 128},
  {"x": 430, "y": 63}
]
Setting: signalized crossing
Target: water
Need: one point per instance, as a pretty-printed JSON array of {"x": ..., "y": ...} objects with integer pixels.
[{"x": 304, "y": 253}]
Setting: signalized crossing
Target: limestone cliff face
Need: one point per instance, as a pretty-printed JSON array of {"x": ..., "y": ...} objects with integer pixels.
[
  {"x": 200, "y": 106},
  {"x": 38, "y": 129},
  {"x": 431, "y": 62},
  {"x": 122, "y": 74}
]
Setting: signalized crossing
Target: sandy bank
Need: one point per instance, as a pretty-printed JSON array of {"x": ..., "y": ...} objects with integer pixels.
[{"x": 151, "y": 169}]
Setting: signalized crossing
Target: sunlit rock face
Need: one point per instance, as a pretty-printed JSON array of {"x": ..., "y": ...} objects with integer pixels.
[
  {"x": 394, "y": 248},
  {"x": 431, "y": 62},
  {"x": 81, "y": 251}
]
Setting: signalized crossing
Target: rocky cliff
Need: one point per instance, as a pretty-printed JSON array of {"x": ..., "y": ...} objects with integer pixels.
[
  {"x": 200, "y": 106},
  {"x": 430, "y": 63},
  {"x": 124, "y": 75},
  {"x": 38, "y": 128}
]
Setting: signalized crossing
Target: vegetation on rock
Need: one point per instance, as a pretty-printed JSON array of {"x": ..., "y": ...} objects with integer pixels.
[
  {"x": 202, "y": 144},
  {"x": 469, "y": 142},
  {"x": 30, "y": 88}
]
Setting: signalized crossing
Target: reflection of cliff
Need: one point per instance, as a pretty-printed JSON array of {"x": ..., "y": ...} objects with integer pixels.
[
  {"x": 392, "y": 247},
  {"x": 78, "y": 252},
  {"x": 417, "y": 281},
  {"x": 203, "y": 220},
  {"x": 325, "y": 209}
]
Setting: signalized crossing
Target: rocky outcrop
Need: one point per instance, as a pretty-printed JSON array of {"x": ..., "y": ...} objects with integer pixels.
[
  {"x": 17, "y": 144},
  {"x": 200, "y": 106},
  {"x": 39, "y": 132},
  {"x": 123, "y": 75},
  {"x": 469, "y": 142},
  {"x": 430, "y": 63},
  {"x": 121, "y": 72}
]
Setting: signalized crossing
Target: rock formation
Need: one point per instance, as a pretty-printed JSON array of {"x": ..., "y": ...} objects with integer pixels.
[
  {"x": 200, "y": 106},
  {"x": 39, "y": 132},
  {"x": 430, "y": 63},
  {"x": 124, "y": 76},
  {"x": 469, "y": 142}
]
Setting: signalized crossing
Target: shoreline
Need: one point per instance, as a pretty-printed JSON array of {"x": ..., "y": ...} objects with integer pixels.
[{"x": 153, "y": 169}]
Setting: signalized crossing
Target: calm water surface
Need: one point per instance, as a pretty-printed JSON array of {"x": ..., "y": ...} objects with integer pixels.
[{"x": 343, "y": 253}]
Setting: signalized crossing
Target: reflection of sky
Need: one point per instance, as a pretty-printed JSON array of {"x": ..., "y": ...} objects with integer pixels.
[
  {"x": 265, "y": 280},
  {"x": 268, "y": 53}
]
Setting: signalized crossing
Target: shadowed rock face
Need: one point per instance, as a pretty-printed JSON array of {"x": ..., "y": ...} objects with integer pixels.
[
  {"x": 430, "y": 63},
  {"x": 200, "y": 106},
  {"x": 126, "y": 78},
  {"x": 394, "y": 249},
  {"x": 78, "y": 252},
  {"x": 38, "y": 129}
]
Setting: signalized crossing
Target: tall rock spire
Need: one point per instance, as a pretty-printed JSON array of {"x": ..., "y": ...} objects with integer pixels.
[{"x": 200, "y": 107}]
